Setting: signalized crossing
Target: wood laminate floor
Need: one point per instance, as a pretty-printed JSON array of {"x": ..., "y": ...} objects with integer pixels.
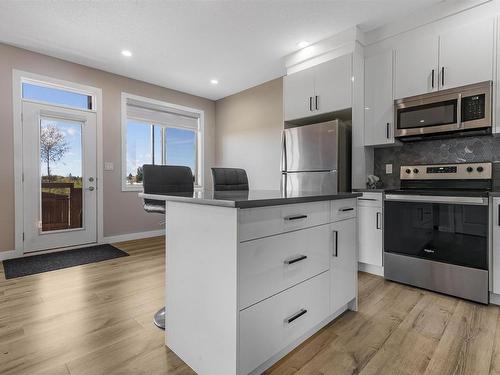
[{"x": 96, "y": 319}]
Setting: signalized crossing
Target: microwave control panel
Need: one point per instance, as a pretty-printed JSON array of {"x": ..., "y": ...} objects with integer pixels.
[{"x": 473, "y": 107}]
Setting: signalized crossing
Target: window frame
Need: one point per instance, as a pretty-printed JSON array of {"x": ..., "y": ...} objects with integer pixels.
[{"x": 200, "y": 163}]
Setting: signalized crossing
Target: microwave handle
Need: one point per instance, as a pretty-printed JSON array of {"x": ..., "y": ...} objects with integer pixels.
[{"x": 459, "y": 110}]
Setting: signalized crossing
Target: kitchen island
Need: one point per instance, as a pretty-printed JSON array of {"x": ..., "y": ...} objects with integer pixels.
[{"x": 252, "y": 274}]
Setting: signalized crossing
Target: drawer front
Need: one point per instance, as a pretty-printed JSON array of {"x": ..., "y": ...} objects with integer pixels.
[
  {"x": 343, "y": 209},
  {"x": 370, "y": 199},
  {"x": 265, "y": 221},
  {"x": 269, "y": 326},
  {"x": 269, "y": 265}
]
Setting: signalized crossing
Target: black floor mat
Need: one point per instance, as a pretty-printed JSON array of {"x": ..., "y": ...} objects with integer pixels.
[{"x": 31, "y": 265}]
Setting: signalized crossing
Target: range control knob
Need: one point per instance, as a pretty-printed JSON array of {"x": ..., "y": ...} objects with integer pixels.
[
  {"x": 408, "y": 170},
  {"x": 480, "y": 169},
  {"x": 415, "y": 170},
  {"x": 470, "y": 169}
]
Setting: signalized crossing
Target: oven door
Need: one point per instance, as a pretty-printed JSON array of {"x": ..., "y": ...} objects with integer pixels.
[{"x": 452, "y": 230}]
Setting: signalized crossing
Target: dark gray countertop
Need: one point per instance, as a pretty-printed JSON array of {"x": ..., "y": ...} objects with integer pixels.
[
  {"x": 248, "y": 199},
  {"x": 366, "y": 190}
]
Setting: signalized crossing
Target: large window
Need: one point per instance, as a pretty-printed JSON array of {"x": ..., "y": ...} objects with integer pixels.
[{"x": 159, "y": 134}]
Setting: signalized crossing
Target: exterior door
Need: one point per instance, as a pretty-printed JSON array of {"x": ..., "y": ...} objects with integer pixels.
[{"x": 59, "y": 173}]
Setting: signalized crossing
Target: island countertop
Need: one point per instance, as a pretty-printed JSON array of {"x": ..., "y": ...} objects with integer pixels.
[{"x": 248, "y": 199}]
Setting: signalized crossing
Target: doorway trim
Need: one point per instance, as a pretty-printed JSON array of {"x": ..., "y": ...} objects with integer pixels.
[{"x": 18, "y": 77}]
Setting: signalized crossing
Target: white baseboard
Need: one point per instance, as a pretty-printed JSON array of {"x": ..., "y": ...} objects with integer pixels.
[
  {"x": 133, "y": 236},
  {"x": 494, "y": 298},
  {"x": 370, "y": 268}
]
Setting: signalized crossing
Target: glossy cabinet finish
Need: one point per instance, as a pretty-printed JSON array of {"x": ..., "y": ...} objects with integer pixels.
[
  {"x": 379, "y": 100},
  {"x": 326, "y": 87},
  {"x": 370, "y": 221}
]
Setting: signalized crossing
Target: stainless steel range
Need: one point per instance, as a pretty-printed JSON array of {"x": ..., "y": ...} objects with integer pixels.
[{"x": 436, "y": 229}]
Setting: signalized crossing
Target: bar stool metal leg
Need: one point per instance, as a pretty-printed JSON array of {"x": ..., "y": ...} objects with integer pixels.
[{"x": 159, "y": 318}]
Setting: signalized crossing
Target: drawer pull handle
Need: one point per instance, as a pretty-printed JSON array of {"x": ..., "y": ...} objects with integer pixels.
[
  {"x": 296, "y": 217},
  {"x": 346, "y": 209},
  {"x": 296, "y": 259},
  {"x": 296, "y": 316},
  {"x": 367, "y": 199}
]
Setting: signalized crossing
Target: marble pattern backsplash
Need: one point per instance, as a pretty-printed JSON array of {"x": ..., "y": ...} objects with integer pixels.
[{"x": 451, "y": 150}]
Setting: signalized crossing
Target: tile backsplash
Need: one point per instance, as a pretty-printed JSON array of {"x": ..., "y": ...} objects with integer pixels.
[{"x": 451, "y": 150}]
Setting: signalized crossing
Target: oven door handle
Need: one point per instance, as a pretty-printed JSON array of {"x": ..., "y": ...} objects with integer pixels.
[{"x": 437, "y": 199}]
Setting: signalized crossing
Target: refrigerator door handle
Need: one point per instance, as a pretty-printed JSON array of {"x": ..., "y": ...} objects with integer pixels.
[{"x": 283, "y": 152}]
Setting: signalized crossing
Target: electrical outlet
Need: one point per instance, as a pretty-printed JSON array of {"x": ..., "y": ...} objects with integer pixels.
[{"x": 388, "y": 169}]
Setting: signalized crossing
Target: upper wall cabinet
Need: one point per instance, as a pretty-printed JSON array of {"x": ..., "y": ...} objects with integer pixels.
[
  {"x": 324, "y": 88},
  {"x": 379, "y": 113},
  {"x": 416, "y": 68},
  {"x": 455, "y": 58},
  {"x": 466, "y": 55}
]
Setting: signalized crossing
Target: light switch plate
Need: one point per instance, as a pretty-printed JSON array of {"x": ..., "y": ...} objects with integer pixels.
[
  {"x": 388, "y": 169},
  {"x": 109, "y": 166}
]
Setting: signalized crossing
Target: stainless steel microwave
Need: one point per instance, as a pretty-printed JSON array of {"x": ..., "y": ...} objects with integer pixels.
[{"x": 460, "y": 109}]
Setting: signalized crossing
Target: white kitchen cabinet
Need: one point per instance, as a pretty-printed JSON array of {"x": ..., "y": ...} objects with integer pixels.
[
  {"x": 333, "y": 85},
  {"x": 370, "y": 222},
  {"x": 416, "y": 67},
  {"x": 323, "y": 88},
  {"x": 379, "y": 99},
  {"x": 466, "y": 54},
  {"x": 496, "y": 245},
  {"x": 343, "y": 264},
  {"x": 298, "y": 94}
]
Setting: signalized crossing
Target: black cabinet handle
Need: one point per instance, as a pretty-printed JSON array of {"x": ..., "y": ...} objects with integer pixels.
[
  {"x": 367, "y": 199},
  {"x": 296, "y": 217},
  {"x": 346, "y": 209},
  {"x": 432, "y": 79},
  {"x": 442, "y": 76},
  {"x": 388, "y": 126},
  {"x": 335, "y": 243},
  {"x": 295, "y": 260},
  {"x": 499, "y": 215},
  {"x": 296, "y": 316},
  {"x": 316, "y": 102},
  {"x": 310, "y": 103},
  {"x": 378, "y": 220}
]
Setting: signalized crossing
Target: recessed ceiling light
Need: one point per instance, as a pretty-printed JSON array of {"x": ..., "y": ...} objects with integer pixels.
[
  {"x": 214, "y": 81},
  {"x": 303, "y": 44},
  {"x": 126, "y": 53}
]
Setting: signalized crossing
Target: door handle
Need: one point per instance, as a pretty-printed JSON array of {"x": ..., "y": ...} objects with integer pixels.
[
  {"x": 295, "y": 217},
  {"x": 378, "y": 220},
  {"x": 295, "y": 316},
  {"x": 295, "y": 260},
  {"x": 316, "y": 100},
  {"x": 335, "y": 243},
  {"x": 310, "y": 103},
  {"x": 432, "y": 78}
]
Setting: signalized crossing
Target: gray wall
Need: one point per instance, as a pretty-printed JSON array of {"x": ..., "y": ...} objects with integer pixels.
[
  {"x": 452, "y": 150},
  {"x": 248, "y": 133},
  {"x": 123, "y": 211}
]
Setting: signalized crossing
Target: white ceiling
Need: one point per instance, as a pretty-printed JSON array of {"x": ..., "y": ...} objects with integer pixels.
[{"x": 184, "y": 44}]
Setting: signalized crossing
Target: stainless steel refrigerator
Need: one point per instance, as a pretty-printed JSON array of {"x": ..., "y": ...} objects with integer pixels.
[{"x": 316, "y": 158}]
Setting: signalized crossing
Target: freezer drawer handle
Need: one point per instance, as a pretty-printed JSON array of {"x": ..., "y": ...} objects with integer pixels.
[
  {"x": 296, "y": 259},
  {"x": 346, "y": 209},
  {"x": 295, "y": 217},
  {"x": 296, "y": 316}
]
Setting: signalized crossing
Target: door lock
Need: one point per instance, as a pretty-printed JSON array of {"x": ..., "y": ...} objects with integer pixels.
[
  {"x": 91, "y": 179},
  {"x": 91, "y": 188}
]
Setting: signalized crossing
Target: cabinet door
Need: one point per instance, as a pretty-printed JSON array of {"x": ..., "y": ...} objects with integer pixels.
[
  {"x": 379, "y": 100},
  {"x": 370, "y": 234},
  {"x": 333, "y": 85},
  {"x": 496, "y": 245},
  {"x": 298, "y": 94},
  {"x": 414, "y": 67},
  {"x": 466, "y": 55},
  {"x": 343, "y": 264}
]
